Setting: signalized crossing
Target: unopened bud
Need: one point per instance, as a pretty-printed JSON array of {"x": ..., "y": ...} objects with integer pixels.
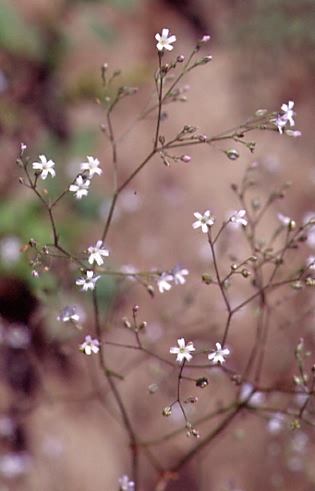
[
  {"x": 185, "y": 158},
  {"x": 232, "y": 154},
  {"x": 245, "y": 273},
  {"x": 261, "y": 112},
  {"x": 206, "y": 278},
  {"x": 167, "y": 411},
  {"x": 180, "y": 59},
  {"x": 126, "y": 323},
  {"x": 150, "y": 290},
  {"x": 143, "y": 325},
  {"x": 202, "y": 382}
]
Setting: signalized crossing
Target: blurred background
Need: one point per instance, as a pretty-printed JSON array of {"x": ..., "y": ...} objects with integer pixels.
[{"x": 59, "y": 426}]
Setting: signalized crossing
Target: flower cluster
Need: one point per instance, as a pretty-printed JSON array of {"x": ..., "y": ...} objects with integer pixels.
[
  {"x": 81, "y": 185},
  {"x": 177, "y": 275},
  {"x": 184, "y": 352}
]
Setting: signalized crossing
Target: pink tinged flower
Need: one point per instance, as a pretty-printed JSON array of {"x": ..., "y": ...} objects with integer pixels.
[
  {"x": 163, "y": 282},
  {"x": 125, "y": 484},
  {"x": 80, "y": 187},
  {"x": 284, "y": 220},
  {"x": 183, "y": 351},
  {"x": 204, "y": 221},
  {"x": 92, "y": 166},
  {"x": 96, "y": 252},
  {"x": 164, "y": 41},
  {"x": 88, "y": 281},
  {"x": 178, "y": 274},
  {"x": 185, "y": 158},
  {"x": 238, "y": 218},
  {"x": 45, "y": 167},
  {"x": 288, "y": 112},
  {"x": 90, "y": 346},
  {"x": 217, "y": 357},
  {"x": 294, "y": 134},
  {"x": 279, "y": 122}
]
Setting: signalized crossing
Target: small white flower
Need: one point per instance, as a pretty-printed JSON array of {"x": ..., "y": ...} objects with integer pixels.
[
  {"x": 68, "y": 314},
  {"x": 284, "y": 219},
  {"x": 96, "y": 252},
  {"x": 88, "y": 281},
  {"x": 183, "y": 351},
  {"x": 288, "y": 112},
  {"x": 178, "y": 274},
  {"x": 204, "y": 221},
  {"x": 276, "y": 423},
  {"x": 218, "y": 355},
  {"x": 45, "y": 167},
  {"x": 90, "y": 345},
  {"x": 279, "y": 122},
  {"x": 92, "y": 166},
  {"x": 80, "y": 187},
  {"x": 125, "y": 484},
  {"x": 163, "y": 282},
  {"x": 238, "y": 217},
  {"x": 248, "y": 394},
  {"x": 165, "y": 42}
]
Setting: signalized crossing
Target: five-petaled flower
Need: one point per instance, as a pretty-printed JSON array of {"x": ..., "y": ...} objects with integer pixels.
[
  {"x": 68, "y": 314},
  {"x": 125, "y": 484},
  {"x": 178, "y": 274},
  {"x": 164, "y": 41},
  {"x": 80, "y": 187},
  {"x": 204, "y": 221},
  {"x": 88, "y": 281},
  {"x": 217, "y": 357},
  {"x": 90, "y": 345},
  {"x": 96, "y": 252},
  {"x": 238, "y": 218},
  {"x": 45, "y": 167},
  {"x": 183, "y": 351},
  {"x": 92, "y": 166},
  {"x": 163, "y": 282},
  {"x": 288, "y": 112}
]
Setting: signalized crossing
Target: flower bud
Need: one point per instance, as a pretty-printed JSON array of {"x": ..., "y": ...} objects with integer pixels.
[
  {"x": 185, "y": 158},
  {"x": 167, "y": 411},
  {"x": 232, "y": 154},
  {"x": 202, "y": 382}
]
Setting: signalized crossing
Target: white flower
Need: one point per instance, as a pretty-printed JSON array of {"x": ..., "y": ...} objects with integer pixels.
[
  {"x": 45, "y": 167},
  {"x": 218, "y": 355},
  {"x": 248, "y": 394},
  {"x": 80, "y": 187},
  {"x": 90, "y": 346},
  {"x": 183, "y": 351},
  {"x": 178, "y": 274},
  {"x": 238, "y": 217},
  {"x": 165, "y": 42},
  {"x": 284, "y": 219},
  {"x": 125, "y": 484},
  {"x": 88, "y": 281},
  {"x": 279, "y": 122},
  {"x": 203, "y": 221},
  {"x": 96, "y": 252},
  {"x": 92, "y": 165},
  {"x": 68, "y": 314},
  {"x": 163, "y": 282},
  {"x": 288, "y": 112},
  {"x": 23, "y": 147},
  {"x": 276, "y": 423}
]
